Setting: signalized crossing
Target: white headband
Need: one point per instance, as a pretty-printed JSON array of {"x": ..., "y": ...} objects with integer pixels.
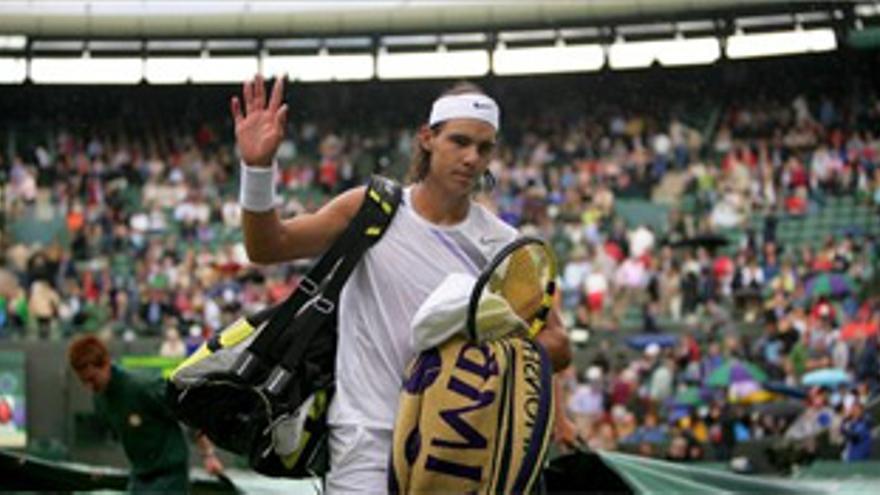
[{"x": 465, "y": 106}]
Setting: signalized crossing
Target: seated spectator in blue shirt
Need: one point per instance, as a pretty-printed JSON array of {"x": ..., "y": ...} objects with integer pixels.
[{"x": 856, "y": 429}]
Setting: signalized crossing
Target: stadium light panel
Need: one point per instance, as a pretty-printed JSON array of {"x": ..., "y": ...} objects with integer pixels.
[
  {"x": 224, "y": 69},
  {"x": 85, "y": 70},
  {"x": 682, "y": 52},
  {"x": 670, "y": 53},
  {"x": 178, "y": 70},
  {"x": 547, "y": 60},
  {"x": 310, "y": 68},
  {"x": 634, "y": 55},
  {"x": 438, "y": 64},
  {"x": 170, "y": 70},
  {"x": 13, "y": 70},
  {"x": 780, "y": 43},
  {"x": 12, "y": 42}
]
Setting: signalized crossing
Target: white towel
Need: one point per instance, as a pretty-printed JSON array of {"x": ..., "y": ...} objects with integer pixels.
[{"x": 444, "y": 314}]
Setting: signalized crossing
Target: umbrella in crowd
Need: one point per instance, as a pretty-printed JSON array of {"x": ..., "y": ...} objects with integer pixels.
[
  {"x": 734, "y": 371},
  {"x": 642, "y": 341},
  {"x": 830, "y": 284},
  {"x": 689, "y": 397},
  {"x": 782, "y": 388},
  {"x": 744, "y": 390},
  {"x": 826, "y": 377},
  {"x": 756, "y": 397},
  {"x": 858, "y": 330}
]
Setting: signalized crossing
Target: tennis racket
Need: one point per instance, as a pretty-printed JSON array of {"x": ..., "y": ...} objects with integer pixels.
[{"x": 514, "y": 293}]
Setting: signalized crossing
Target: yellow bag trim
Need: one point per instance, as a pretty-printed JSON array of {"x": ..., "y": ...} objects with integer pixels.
[
  {"x": 536, "y": 327},
  {"x": 373, "y": 231},
  {"x": 318, "y": 408},
  {"x": 236, "y": 332},
  {"x": 194, "y": 358}
]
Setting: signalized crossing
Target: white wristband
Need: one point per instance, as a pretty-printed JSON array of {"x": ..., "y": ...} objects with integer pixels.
[{"x": 257, "y": 187}]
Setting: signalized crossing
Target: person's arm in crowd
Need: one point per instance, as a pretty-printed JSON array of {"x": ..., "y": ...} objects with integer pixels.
[
  {"x": 259, "y": 129},
  {"x": 211, "y": 462}
]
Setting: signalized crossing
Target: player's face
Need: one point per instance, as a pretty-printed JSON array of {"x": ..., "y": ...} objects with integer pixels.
[
  {"x": 94, "y": 377},
  {"x": 460, "y": 152}
]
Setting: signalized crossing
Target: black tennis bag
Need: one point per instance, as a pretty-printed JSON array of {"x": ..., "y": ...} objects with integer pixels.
[{"x": 261, "y": 387}]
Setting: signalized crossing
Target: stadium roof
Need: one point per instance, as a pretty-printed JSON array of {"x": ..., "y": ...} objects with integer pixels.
[{"x": 235, "y": 18}]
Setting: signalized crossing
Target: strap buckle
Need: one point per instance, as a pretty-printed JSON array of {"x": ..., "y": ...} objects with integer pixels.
[
  {"x": 324, "y": 305},
  {"x": 309, "y": 286}
]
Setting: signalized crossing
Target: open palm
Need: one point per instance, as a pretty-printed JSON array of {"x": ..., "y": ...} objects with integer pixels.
[{"x": 260, "y": 129}]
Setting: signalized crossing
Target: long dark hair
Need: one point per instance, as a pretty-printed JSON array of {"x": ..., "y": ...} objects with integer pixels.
[{"x": 420, "y": 160}]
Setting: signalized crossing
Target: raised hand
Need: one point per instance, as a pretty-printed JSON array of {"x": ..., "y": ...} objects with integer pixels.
[{"x": 260, "y": 129}]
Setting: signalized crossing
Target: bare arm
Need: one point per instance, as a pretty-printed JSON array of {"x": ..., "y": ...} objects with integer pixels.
[
  {"x": 554, "y": 338},
  {"x": 268, "y": 239},
  {"x": 564, "y": 430},
  {"x": 212, "y": 464},
  {"x": 555, "y": 341},
  {"x": 258, "y": 133}
]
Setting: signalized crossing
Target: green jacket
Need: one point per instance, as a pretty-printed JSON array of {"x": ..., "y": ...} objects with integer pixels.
[{"x": 134, "y": 408}]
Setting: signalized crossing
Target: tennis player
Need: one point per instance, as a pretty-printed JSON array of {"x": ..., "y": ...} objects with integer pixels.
[{"x": 438, "y": 229}]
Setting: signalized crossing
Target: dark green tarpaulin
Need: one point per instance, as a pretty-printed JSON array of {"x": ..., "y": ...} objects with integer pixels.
[
  {"x": 615, "y": 472},
  {"x": 20, "y": 472},
  {"x": 605, "y": 472},
  {"x": 650, "y": 476}
]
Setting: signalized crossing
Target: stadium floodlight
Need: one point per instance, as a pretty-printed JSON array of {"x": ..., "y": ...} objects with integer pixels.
[
  {"x": 12, "y": 42},
  {"x": 547, "y": 60},
  {"x": 224, "y": 69},
  {"x": 322, "y": 67},
  {"x": 670, "y": 53},
  {"x": 167, "y": 70},
  {"x": 694, "y": 51},
  {"x": 13, "y": 70},
  {"x": 437, "y": 64},
  {"x": 86, "y": 70},
  {"x": 781, "y": 43},
  {"x": 632, "y": 55},
  {"x": 178, "y": 70}
]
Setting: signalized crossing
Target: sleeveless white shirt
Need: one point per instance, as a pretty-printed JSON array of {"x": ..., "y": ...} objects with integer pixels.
[{"x": 382, "y": 295}]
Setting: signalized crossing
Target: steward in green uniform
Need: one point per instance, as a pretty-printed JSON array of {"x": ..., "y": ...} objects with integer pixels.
[{"x": 133, "y": 407}]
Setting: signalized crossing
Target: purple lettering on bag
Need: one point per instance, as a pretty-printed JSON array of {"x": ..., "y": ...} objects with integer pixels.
[
  {"x": 453, "y": 468},
  {"x": 473, "y": 439},
  {"x": 488, "y": 368}
]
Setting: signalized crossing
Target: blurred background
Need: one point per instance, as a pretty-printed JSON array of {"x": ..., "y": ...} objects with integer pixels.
[{"x": 708, "y": 173}]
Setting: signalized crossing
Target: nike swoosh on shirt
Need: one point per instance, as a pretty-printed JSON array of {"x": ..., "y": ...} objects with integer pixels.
[{"x": 490, "y": 240}]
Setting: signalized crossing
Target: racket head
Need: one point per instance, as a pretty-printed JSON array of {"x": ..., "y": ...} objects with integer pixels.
[{"x": 515, "y": 289}]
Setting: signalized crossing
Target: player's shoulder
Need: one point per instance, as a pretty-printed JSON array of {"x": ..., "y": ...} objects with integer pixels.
[
  {"x": 490, "y": 232},
  {"x": 491, "y": 224}
]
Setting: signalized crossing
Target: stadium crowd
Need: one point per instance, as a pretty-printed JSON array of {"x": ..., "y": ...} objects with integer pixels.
[{"x": 151, "y": 246}]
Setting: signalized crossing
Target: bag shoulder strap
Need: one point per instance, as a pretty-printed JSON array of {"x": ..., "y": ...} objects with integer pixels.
[
  {"x": 386, "y": 195},
  {"x": 380, "y": 203}
]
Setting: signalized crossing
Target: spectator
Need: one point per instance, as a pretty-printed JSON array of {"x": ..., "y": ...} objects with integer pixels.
[
  {"x": 135, "y": 409},
  {"x": 856, "y": 429},
  {"x": 172, "y": 344}
]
